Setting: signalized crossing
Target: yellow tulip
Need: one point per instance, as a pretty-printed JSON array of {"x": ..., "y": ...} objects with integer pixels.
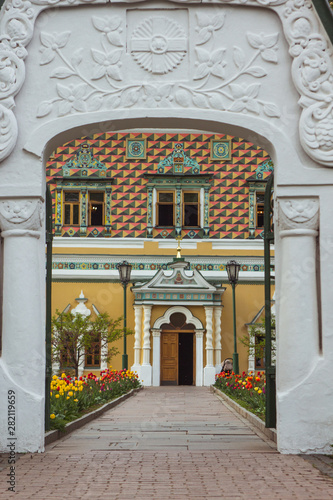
[{"x": 52, "y": 416}]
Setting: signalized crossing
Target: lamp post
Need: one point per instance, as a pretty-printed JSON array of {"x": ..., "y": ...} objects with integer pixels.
[
  {"x": 124, "y": 269},
  {"x": 233, "y": 271}
]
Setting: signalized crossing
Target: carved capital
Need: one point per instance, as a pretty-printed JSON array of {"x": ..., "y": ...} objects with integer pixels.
[
  {"x": 156, "y": 332},
  {"x": 21, "y": 214},
  {"x": 298, "y": 214}
]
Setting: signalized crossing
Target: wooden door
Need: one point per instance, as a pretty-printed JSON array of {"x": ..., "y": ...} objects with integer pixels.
[{"x": 169, "y": 358}]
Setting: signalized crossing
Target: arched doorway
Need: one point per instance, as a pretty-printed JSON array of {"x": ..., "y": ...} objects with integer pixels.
[{"x": 177, "y": 351}]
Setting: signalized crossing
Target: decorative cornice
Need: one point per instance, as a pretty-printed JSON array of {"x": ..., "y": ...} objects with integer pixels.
[
  {"x": 300, "y": 214},
  {"x": 21, "y": 214}
]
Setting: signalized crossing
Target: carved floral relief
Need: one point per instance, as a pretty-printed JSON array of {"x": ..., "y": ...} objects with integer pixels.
[
  {"x": 159, "y": 45},
  {"x": 215, "y": 80}
]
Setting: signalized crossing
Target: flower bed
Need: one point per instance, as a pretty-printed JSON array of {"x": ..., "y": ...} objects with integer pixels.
[
  {"x": 71, "y": 397},
  {"x": 248, "y": 390}
]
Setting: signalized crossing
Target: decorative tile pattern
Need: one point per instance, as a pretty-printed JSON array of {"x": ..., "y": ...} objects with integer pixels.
[
  {"x": 135, "y": 149},
  {"x": 85, "y": 265},
  {"x": 220, "y": 150},
  {"x": 228, "y": 196}
]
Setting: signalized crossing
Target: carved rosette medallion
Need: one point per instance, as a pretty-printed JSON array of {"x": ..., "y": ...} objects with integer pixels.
[
  {"x": 298, "y": 213},
  {"x": 21, "y": 214},
  {"x": 159, "y": 45}
]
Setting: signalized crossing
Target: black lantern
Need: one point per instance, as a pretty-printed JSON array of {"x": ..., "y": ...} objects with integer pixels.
[
  {"x": 124, "y": 269},
  {"x": 233, "y": 271}
]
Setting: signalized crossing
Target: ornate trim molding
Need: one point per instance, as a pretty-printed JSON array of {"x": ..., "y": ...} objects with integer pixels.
[
  {"x": 312, "y": 68},
  {"x": 299, "y": 214}
]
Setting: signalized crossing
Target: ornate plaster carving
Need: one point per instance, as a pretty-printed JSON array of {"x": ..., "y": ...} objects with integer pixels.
[
  {"x": 21, "y": 214},
  {"x": 298, "y": 213},
  {"x": 159, "y": 45},
  {"x": 311, "y": 71}
]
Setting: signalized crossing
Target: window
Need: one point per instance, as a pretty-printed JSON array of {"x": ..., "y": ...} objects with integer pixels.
[
  {"x": 165, "y": 208},
  {"x": 188, "y": 212},
  {"x": 93, "y": 356},
  {"x": 191, "y": 209},
  {"x": 96, "y": 208},
  {"x": 71, "y": 208},
  {"x": 260, "y": 209}
]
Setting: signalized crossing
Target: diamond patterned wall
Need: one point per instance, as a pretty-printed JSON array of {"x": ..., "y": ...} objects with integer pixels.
[{"x": 229, "y": 194}]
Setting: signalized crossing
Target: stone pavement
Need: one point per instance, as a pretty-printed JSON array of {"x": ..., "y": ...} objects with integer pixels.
[{"x": 166, "y": 443}]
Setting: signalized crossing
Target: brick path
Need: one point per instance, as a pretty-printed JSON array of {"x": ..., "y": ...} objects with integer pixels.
[{"x": 166, "y": 443}]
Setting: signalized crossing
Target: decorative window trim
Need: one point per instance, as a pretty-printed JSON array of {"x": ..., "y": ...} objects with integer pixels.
[
  {"x": 255, "y": 188},
  {"x": 84, "y": 188},
  {"x": 178, "y": 184}
]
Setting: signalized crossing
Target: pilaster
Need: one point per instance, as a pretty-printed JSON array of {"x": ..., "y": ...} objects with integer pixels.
[
  {"x": 156, "y": 356},
  {"x": 218, "y": 346},
  {"x": 209, "y": 370},
  {"x": 199, "y": 357},
  {"x": 137, "y": 339},
  {"x": 146, "y": 368}
]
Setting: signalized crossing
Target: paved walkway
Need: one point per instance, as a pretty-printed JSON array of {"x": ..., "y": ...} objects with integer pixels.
[{"x": 166, "y": 443}]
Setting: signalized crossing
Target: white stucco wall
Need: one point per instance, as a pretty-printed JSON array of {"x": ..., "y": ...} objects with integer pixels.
[{"x": 239, "y": 69}]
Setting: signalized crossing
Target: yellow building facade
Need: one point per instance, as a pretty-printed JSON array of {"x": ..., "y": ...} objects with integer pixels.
[{"x": 134, "y": 196}]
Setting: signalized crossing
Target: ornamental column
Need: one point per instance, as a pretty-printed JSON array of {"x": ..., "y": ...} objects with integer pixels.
[
  {"x": 156, "y": 357},
  {"x": 146, "y": 369},
  {"x": 199, "y": 357},
  {"x": 178, "y": 222},
  {"x": 137, "y": 339},
  {"x": 298, "y": 343},
  {"x": 22, "y": 364},
  {"x": 218, "y": 347},
  {"x": 209, "y": 370},
  {"x": 150, "y": 212}
]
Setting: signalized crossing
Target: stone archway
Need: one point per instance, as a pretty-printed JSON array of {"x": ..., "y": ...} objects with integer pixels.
[{"x": 298, "y": 137}]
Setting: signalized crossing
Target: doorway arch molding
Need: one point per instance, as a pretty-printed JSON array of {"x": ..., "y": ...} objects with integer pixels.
[
  {"x": 178, "y": 309},
  {"x": 306, "y": 38},
  {"x": 198, "y": 331}
]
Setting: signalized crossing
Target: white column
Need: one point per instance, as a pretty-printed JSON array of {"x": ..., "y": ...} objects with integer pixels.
[
  {"x": 146, "y": 369},
  {"x": 137, "y": 340},
  {"x": 22, "y": 364},
  {"x": 298, "y": 327},
  {"x": 156, "y": 357},
  {"x": 199, "y": 357},
  {"x": 104, "y": 353},
  {"x": 209, "y": 370},
  {"x": 218, "y": 347}
]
